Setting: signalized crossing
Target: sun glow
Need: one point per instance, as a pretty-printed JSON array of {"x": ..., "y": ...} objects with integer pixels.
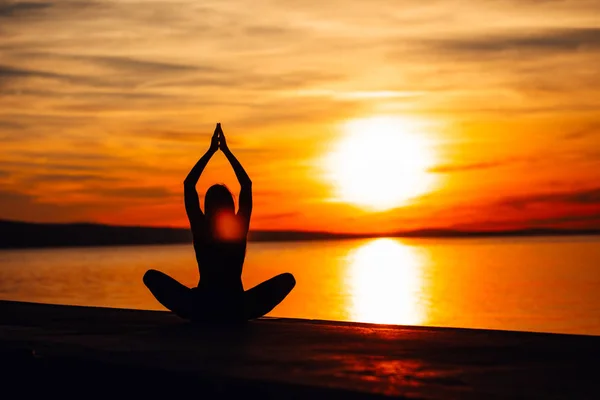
[
  {"x": 381, "y": 162},
  {"x": 386, "y": 283}
]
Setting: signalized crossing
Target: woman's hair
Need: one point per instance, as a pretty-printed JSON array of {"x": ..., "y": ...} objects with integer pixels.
[{"x": 218, "y": 198}]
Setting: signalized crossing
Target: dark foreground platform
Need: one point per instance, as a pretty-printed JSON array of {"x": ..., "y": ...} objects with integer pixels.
[{"x": 65, "y": 350}]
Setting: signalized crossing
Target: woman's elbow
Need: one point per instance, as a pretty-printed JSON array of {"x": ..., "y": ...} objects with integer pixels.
[{"x": 187, "y": 182}]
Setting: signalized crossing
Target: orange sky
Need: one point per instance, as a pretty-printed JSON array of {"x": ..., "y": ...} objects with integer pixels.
[{"x": 105, "y": 105}]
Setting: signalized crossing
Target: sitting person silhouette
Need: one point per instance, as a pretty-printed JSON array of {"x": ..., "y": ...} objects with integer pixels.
[{"x": 219, "y": 236}]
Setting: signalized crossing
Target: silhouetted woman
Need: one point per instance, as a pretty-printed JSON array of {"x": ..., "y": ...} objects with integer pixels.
[{"x": 220, "y": 245}]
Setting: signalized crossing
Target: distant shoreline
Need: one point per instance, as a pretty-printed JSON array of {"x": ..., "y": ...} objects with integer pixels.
[{"x": 17, "y": 234}]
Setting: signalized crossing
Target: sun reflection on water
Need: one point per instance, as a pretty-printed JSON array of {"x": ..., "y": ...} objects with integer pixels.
[{"x": 385, "y": 281}]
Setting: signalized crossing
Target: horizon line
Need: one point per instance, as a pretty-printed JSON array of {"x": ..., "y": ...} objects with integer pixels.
[{"x": 424, "y": 232}]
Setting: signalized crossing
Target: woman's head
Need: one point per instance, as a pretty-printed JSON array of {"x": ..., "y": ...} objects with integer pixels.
[{"x": 218, "y": 199}]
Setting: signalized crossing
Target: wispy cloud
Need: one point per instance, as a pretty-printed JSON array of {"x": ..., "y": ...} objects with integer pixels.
[
  {"x": 544, "y": 40},
  {"x": 576, "y": 197},
  {"x": 584, "y": 221},
  {"x": 7, "y": 72},
  {"x": 444, "y": 169},
  {"x": 592, "y": 129},
  {"x": 17, "y": 9}
]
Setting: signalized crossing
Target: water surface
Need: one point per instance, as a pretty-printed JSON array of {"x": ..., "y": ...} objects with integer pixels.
[{"x": 531, "y": 284}]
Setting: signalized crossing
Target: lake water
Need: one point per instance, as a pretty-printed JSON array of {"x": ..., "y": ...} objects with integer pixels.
[{"x": 529, "y": 284}]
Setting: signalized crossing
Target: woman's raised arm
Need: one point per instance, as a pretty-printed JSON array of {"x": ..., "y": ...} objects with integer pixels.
[
  {"x": 245, "y": 209},
  {"x": 190, "y": 195}
]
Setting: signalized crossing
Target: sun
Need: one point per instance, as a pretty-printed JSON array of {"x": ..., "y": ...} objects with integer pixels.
[{"x": 381, "y": 162}]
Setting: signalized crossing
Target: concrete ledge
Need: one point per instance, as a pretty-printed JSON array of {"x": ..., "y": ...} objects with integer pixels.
[{"x": 86, "y": 351}]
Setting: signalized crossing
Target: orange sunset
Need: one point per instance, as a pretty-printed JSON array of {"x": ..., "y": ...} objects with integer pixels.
[
  {"x": 492, "y": 125},
  {"x": 414, "y": 164}
]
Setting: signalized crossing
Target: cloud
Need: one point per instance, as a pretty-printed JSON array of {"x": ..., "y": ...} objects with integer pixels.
[
  {"x": 119, "y": 63},
  {"x": 170, "y": 135},
  {"x": 10, "y": 125},
  {"x": 65, "y": 76},
  {"x": 495, "y": 69},
  {"x": 584, "y": 197},
  {"x": 138, "y": 192},
  {"x": 17, "y": 9},
  {"x": 25, "y": 131},
  {"x": 62, "y": 170},
  {"x": 298, "y": 110},
  {"x": 549, "y": 40},
  {"x": 445, "y": 169},
  {"x": 277, "y": 216},
  {"x": 65, "y": 157},
  {"x": 7, "y": 72},
  {"x": 24, "y": 207},
  {"x": 104, "y": 95},
  {"x": 586, "y": 221},
  {"x": 268, "y": 31},
  {"x": 54, "y": 178},
  {"x": 10, "y": 75},
  {"x": 589, "y": 130},
  {"x": 142, "y": 66}
]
